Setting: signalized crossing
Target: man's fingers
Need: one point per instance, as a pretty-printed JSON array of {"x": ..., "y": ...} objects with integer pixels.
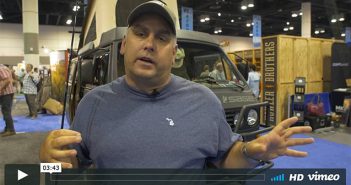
[
  {"x": 59, "y": 154},
  {"x": 63, "y": 164},
  {"x": 295, "y": 153},
  {"x": 297, "y": 130},
  {"x": 285, "y": 124},
  {"x": 299, "y": 141},
  {"x": 63, "y": 141},
  {"x": 64, "y": 132}
]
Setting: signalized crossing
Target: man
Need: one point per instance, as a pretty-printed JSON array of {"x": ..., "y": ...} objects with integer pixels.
[
  {"x": 30, "y": 81},
  {"x": 6, "y": 95},
  {"x": 254, "y": 80},
  {"x": 152, "y": 119},
  {"x": 243, "y": 68},
  {"x": 218, "y": 72}
]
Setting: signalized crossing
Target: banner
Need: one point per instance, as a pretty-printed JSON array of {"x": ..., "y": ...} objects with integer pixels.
[
  {"x": 270, "y": 78},
  {"x": 256, "y": 31},
  {"x": 187, "y": 18},
  {"x": 348, "y": 36}
]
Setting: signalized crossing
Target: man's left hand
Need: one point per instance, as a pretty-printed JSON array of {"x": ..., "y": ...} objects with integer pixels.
[{"x": 277, "y": 142}]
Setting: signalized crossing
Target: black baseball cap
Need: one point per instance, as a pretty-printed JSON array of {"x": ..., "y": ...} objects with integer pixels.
[{"x": 153, "y": 7}]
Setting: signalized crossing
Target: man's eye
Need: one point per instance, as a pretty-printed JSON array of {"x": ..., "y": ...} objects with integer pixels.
[
  {"x": 163, "y": 38},
  {"x": 140, "y": 34}
]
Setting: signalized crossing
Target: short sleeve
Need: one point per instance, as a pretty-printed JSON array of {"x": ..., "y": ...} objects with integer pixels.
[{"x": 82, "y": 122}]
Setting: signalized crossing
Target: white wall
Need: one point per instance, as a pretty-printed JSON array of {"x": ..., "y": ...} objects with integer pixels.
[
  {"x": 52, "y": 37},
  {"x": 235, "y": 43}
]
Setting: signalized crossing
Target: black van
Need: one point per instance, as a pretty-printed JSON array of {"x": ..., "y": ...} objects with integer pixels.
[{"x": 99, "y": 65}]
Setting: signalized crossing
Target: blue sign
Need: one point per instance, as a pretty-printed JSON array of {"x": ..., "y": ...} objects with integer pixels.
[
  {"x": 348, "y": 36},
  {"x": 256, "y": 31},
  {"x": 187, "y": 18}
]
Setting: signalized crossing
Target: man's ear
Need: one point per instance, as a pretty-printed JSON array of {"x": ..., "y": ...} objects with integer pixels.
[
  {"x": 123, "y": 46},
  {"x": 175, "y": 49},
  {"x": 174, "y": 53}
]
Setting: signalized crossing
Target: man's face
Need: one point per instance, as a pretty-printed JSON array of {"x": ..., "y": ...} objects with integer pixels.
[
  {"x": 219, "y": 67},
  {"x": 28, "y": 68},
  {"x": 149, "y": 49}
]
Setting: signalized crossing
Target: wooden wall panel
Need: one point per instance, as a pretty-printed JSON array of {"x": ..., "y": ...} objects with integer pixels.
[
  {"x": 300, "y": 56},
  {"x": 286, "y": 60},
  {"x": 326, "y": 57},
  {"x": 285, "y": 90},
  {"x": 315, "y": 63},
  {"x": 314, "y": 87}
]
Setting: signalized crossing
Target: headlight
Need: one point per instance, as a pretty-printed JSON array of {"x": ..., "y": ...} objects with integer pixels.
[{"x": 252, "y": 117}]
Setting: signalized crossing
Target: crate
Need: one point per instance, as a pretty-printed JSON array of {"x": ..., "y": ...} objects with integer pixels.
[{"x": 286, "y": 57}]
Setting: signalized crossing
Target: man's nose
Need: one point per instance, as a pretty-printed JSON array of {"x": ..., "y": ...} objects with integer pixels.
[{"x": 150, "y": 43}]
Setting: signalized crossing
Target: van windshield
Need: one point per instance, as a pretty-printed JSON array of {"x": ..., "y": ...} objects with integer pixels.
[{"x": 207, "y": 65}]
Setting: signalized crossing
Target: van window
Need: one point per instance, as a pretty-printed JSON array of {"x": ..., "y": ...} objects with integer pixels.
[
  {"x": 205, "y": 64},
  {"x": 100, "y": 69}
]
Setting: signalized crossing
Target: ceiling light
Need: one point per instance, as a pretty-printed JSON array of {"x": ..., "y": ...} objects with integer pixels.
[
  {"x": 341, "y": 17},
  {"x": 1, "y": 18},
  {"x": 76, "y": 8},
  {"x": 250, "y": 34},
  {"x": 322, "y": 30},
  {"x": 250, "y": 3},
  {"x": 248, "y": 24},
  {"x": 300, "y": 13},
  {"x": 287, "y": 23},
  {"x": 204, "y": 18},
  {"x": 219, "y": 14},
  {"x": 69, "y": 21},
  {"x": 294, "y": 13},
  {"x": 343, "y": 34},
  {"x": 218, "y": 30},
  {"x": 291, "y": 28},
  {"x": 232, "y": 20},
  {"x": 316, "y": 32},
  {"x": 334, "y": 18},
  {"x": 286, "y": 29},
  {"x": 243, "y": 5}
]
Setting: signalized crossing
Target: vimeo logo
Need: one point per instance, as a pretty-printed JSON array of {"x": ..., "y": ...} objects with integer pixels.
[{"x": 278, "y": 178}]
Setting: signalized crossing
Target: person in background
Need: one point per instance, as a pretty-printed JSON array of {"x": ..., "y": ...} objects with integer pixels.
[
  {"x": 254, "y": 80},
  {"x": 243, "y": 68},
  {"x": 15, "y": 80},
  {"x": 179, "y": 67},
  {"x": 20, "y": 75},
  {"x": 218, "y": 72},
  {"x": 30, "y": 81},
  {"x": 6, "y": 95},
  {"x": 45, "y": 90},
  {"x": 150, "y": 118},
  {"x": 205, "y": 71}
]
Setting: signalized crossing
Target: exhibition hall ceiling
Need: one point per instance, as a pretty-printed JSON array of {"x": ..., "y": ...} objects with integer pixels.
[{"x": 233, "y": 21}]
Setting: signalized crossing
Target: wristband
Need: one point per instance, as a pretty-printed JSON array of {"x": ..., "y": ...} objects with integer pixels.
[{"x": 247, "y": 156}]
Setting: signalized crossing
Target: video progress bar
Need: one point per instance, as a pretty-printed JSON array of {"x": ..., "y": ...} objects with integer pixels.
[{"x": 157, "y": 177}]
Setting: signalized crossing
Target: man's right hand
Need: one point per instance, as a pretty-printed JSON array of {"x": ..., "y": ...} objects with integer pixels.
[{"x": 55, "y": 149}]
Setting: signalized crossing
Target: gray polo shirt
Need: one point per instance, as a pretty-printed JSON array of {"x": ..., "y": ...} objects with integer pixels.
[{"x": 183, "y": 126}]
